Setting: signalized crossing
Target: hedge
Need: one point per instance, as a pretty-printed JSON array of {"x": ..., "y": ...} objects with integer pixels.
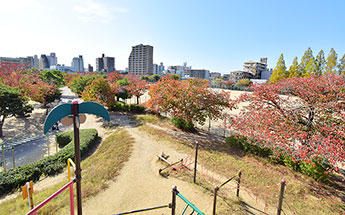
[
  {"x": 120, "y": 106},
  {"x": 315, "y": 169},
  {"x": 51, "y": 165}
]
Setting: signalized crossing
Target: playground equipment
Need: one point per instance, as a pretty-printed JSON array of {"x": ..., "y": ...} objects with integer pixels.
[
  {"x": 162, "y": 158},
  {"x": 72, "y": 111},
  {"x": 68, "y": 185},
  {"x": 216, "y": 189},
  {"x": 171, "y": 205}
]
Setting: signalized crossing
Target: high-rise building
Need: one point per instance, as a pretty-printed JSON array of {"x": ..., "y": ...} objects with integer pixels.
[
  {"x": 27, "y": 61},
  {"x": 161, "y": 68},
  {"x": 109, "y": 64},
  {"x": 43, "y": 62},
  {"x": 140, "y": 61},
  {"x": 78, "y": 64},
  {"x": 90, "y": 68},
  {"x": 155, "y": 69},
  {"x": 36, "y": 62},
  {"x": 52, "y": 59},
  {"x": 106, "y": 64}
]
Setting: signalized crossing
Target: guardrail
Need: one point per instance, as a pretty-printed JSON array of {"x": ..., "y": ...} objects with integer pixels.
[
  {"x": 171, "y": 205},
  {"x": 68, "y": 185}
]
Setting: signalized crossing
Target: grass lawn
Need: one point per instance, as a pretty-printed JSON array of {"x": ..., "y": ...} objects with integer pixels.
[
  {"x": 97, "y": 170},
  {"x": 303, "y": 194}
]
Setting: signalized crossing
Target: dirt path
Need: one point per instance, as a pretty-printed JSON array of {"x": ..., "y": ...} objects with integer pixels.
[{"x": 139, "y": 184}]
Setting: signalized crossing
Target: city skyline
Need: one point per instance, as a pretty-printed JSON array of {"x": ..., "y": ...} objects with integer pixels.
[{"x": 217, "y": 36}]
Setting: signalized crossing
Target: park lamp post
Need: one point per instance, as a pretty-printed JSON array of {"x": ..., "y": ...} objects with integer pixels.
[{"x": 70, "y": 113}]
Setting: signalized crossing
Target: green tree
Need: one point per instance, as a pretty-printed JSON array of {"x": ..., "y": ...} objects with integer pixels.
[
  {"x": 123, "y": 92},
  {"x": 294, "y": 69},
  {"x": 341, "y": 66},
  {"x": 305, "y": 62},
  {"x": 320, "y": 63},
  {"x": 331, "y": 63},
  {"x": 54, "y": 77},
  {"x": 279, "y": 71},
  {"x": 12, "y": 103},
  {"x": 310, "y": 68}
]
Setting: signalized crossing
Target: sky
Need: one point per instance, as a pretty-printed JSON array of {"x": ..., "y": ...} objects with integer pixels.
[{"x": 218, "y": 35}]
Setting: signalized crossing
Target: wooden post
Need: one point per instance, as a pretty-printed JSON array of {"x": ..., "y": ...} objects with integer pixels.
[
  {"x": 3, "y": 157},
  {"x": 238, "y": 183},
  {"x": 196, "y": 160},
  {"x": 13, "y": 160},
  {"x": 216, "y": 188},
  {"x": 75, "y": 113},
  {"x": 209, "y": 124},
  {"x": 280, "y": 203},
  {"x": 224, "y": 126},
  {"x": 31, "y": 200},
  {"x": 173, "y": 202}
]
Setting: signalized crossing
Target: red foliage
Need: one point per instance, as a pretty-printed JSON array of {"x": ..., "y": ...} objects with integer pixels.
[
  {"x": 136, "y": 87},
  {"x": 190, "y": 100},
  {"x": 306, "y": 122}
]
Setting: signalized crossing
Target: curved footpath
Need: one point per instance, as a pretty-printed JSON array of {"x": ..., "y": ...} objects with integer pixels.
[{"x": 140, "y": 186}]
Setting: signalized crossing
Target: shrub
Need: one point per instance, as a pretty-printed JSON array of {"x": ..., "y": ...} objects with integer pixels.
[
  {"x": 244, "y": 82},
  {"x": 119, "y": 106},
  {"x": 315, "y": 169},
  {"x": 136, "y": 108},
  {"x": 51, "y": 165},
  {"x": 242, "y": 143},
  {"x": 183, "y": 124},
  {"x": 63, "y": 138}
]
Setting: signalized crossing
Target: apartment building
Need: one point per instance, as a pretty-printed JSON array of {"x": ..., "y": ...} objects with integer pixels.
[{"x": 140, "y": 61}]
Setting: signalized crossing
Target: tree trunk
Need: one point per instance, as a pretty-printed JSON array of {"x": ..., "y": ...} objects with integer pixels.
[
  {"x": 1, "y": 124},
  {"x": 138, "y": 100}
]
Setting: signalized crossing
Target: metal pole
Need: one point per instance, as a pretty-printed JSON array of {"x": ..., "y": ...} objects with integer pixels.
[
  {"x": 75, "y": 112},
  {"x": 280, "y": 203},
  {"x": 238, "y": 183},
  {"x": 3, "y": 157},
  {"x": 13, "y": 160},
  {"x": 216, "y": 188},
  {"x": 196, "y": 160},
  {"x": 173, "y": 202}
]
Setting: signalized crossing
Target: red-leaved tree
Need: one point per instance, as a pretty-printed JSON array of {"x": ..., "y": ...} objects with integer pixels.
[
  {"x": 136, "y": 86},
  {"x": 190, "y": 100},
  {"x": 302, "y": 117}
]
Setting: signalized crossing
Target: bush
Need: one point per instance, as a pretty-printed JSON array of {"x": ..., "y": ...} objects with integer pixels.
[
  {"x": 51, "y": 165},
  {"x": 183, "y": 124},
  {"x": 136, "y": 108},
  {"x": 244, "y": 82},
  {"x": 64, "y": 138},
  {"x": 118, "y": 106},
  {"x": 242, "y": 143},
  {"x": 315, "y": 169}
]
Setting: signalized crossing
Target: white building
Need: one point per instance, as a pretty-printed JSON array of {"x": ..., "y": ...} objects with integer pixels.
[
  {"x": 63, "y": 68},
  {"x": 179, "y": 70},
  {"x": 78, "y": 64}
]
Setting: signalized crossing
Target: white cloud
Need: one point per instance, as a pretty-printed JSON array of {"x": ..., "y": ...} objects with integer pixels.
[
  {"x": 16, "y": 5},
  {"x": 91, "y": 11}
]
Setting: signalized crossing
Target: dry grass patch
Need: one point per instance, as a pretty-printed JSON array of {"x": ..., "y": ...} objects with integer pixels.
[
  {"x": 97, "y": 170},
  {"x": 303, "y": 194}
]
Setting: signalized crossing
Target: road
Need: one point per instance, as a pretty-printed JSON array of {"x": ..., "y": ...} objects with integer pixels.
[{"x": 33, "y": 151}]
